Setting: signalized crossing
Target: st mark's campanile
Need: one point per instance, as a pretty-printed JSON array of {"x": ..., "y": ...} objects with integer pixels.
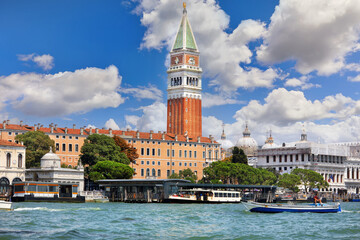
[{"x": 184, "y": 83}]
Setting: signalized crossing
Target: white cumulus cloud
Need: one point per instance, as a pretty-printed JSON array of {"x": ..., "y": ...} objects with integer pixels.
[
  {"x": 302, "y": 82},
  {"x": 210, "y": 100},
  {"x": 143, "y": 92},
  {"x": 153, "y": 118},
  {"x": 111, "y": 124},
  {"x": 63, "y": 93},
  {"x": 316, "y": 34},
  {"x": 45, "y": 61}
]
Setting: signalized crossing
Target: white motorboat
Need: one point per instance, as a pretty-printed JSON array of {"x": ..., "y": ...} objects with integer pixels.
[
  {"x": 205, "y": 196},
  {"x": 5, "y": 205}
]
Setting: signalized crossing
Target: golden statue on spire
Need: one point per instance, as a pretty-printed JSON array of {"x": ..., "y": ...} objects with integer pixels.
[{"x": 184, "y": 5}]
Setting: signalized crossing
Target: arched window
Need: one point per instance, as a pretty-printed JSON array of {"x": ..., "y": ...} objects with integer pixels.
[
  {"x": 8, "y": 159},
  {"x": 147, "y": 172},
  {"x": 20, "y": 160},
  {"x": 159, "y": 173},
  {"x": 4, "y": 185},
  {"x": 153, "y": 172}
]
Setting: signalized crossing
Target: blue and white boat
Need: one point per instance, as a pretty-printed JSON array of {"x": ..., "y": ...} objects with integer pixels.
[{"x": 277, "y": 208}]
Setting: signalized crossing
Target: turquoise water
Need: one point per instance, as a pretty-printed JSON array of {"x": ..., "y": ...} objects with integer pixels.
[{"x": 171, "y": 221}]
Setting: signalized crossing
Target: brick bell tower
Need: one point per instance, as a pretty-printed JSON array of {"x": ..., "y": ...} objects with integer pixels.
[{"x": 184, "y": 83}]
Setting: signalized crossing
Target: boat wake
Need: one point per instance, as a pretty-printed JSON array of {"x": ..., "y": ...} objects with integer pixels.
[{"x": 55, "y": 210}]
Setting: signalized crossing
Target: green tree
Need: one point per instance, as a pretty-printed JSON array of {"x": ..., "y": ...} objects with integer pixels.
[
  {"x": 110, "y": 170},
  {"x": 238, "y": 156},
  {"x": 290, "y": 181},
  {"x": 37, "y": 145},
  {"x": 310, "y": 178},
  {"x": 98, "y": 148},
  {"x": 174, "y": 176},
  {"x": 266, "y": 177}
]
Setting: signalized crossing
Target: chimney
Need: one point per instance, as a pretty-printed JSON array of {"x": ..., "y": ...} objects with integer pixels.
[
  {"x": 151, "y": 134},
  {"x": 90, "y": 130},
  {"x": 110, "y": 131},
  {"x": 21, "y": 123},
  {"x": 175, "y": 137},
  {"x": 74, "y": 126},
  {"x": 163, "y": 136},
  {"x": 198, "y": 139},
  {"x": 4, "y": 124},
  {"x": 65, "y": 130},
  {"x": 8, "y": 122},
  {"x": 55, "y": 127},
  {"x": 35, "y": 127},
  {"x": 81, "y": 131},
  {"x": 137, "y": 134},
  {"x": 187, "y": 138},
  {"x": 38, "y": 125},
  {"x": 51, "y": 128},
  {"x": 96, "y": 130}
]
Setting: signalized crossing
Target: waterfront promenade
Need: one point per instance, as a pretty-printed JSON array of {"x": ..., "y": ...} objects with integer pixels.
[{"x": 171, "y": 221}]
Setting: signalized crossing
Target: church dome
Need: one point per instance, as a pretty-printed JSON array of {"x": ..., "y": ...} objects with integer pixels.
[
  {"x": 269, "y": 143},
  {"x": 50, "y": 160},
  {"x": 247, "y": 143},
  {"x": 225, "y": 144}
]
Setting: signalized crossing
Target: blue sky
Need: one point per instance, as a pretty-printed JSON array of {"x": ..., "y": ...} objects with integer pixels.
[{"x": 280, "y": 65}]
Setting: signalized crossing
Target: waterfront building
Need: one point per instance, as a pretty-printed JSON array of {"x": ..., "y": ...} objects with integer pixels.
[
  {"x": 12, "y": 166},
  {"x": 184, "y": 83},
  {"x": 51, "y": 171},
  {"x": 328, "y": 160}
]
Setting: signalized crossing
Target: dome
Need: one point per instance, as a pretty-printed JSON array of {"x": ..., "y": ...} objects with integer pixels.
[
  {"x": 50, "y": 160},
  {"x": 248, "y": 142}
]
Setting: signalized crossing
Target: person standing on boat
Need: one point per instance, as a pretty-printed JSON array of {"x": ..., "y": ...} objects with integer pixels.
[{"x": 317, "y": 199}]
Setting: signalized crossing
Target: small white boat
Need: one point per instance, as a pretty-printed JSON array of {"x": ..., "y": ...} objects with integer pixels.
[
  {"x": 205, "y": 196},
  {"x": 277, "y": 208},
  {"x": 5, "y": 205}
]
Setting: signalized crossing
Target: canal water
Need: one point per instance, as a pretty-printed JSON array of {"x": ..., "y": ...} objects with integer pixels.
[{"x": 172, "y": 221}]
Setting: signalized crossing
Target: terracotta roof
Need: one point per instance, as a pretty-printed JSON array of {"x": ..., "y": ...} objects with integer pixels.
[
  {"x": 7, "y": 143},
  {"x": 132, "y": 134}
]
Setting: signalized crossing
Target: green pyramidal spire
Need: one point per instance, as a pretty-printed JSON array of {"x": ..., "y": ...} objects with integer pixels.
[{"x": 185, "y": 37}]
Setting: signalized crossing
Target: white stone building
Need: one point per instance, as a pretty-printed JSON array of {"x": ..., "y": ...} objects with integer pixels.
[
  {"x": 12, "y": 165},
  {"x": 51, "y": 171}
]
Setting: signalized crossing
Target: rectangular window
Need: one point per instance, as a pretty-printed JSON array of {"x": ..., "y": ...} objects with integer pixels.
[
  {"x": 267, "y": 159},
  {"x": 195, "y": 154},
  {"x": 148, "y": 151},
  {"x": 142, "y": 162},
  {"x": 297, "y": 157},
  {"x": 70, "y": 147},
  {"x": 216, "y": 154},
  {"x": 159, "y": 173},
  {"x": 210, "y": 154},
  {"x": 64, "y": 147},
  {"x": 168, "y": 152},
  {"x": 173, "y": 171},
  {"x": 168, "y": 173},
  {"x": 153, "y": 151},
  {"x": 64, "y": 137},
  {"x": 302, "y": 157},
  {"x": 10, "y": 133},
  {"x": 195, "y": 164},
  {"x": 185, "y": 153},
  {"x": 190, "y": 164},
  {"x": 173, "y": 153},
  {"x": 274, "y": 158},
  {"x": 76, "y": 138},
  {"x": 204, "y": 155},
  {"x": 168, "y": 163},
  {"x": 285, "y": 168},
  {"x": 291, "y": 158},
  {"x": 142, "y": 172},
  {"x": 147, "y": 162},
  {"x": 180, "y": 164},
  {"x": 173, "y": 163},
  {"x": 142, "y": 151},
  {"x": 57, "y": 146},
  {"x": 185, "y": 164},
  {"x": 280, "y": 158},
  {"x": 179, "y": 153},
  {"x": 158, "y": 163},
  {"x": 42, "y": 188},
  {"x": 57, "y": 136},
  {"x": 70, "y": 137},
  {"x": 76, "y": 147},
  {"x": 285, "y": 158},
  {"x": 190, "y": 154},
  {"x": 153, "y": 162},
  {"x": 159, "y": 152}
]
